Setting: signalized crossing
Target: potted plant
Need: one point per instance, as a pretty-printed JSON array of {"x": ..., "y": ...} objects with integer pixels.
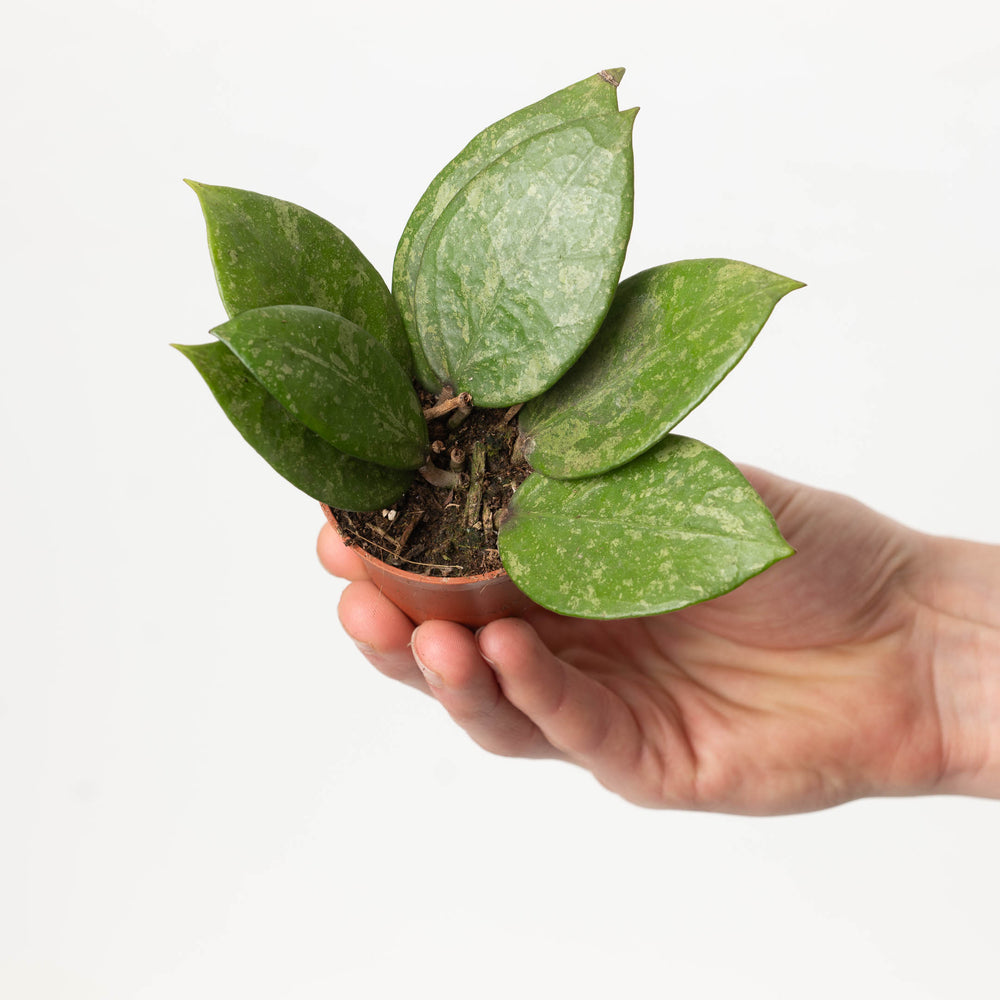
[{"x": 506, "y": 411}]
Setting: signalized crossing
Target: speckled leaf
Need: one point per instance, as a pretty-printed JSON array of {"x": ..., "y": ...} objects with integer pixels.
[
  {"x": 595, "y": 95},
  {"x": 268, "y": 252},
  {"x": 671, "y": 335},
  {"x": 289, "y": 447},
  {"x": 520, "y": 269},
  {"x": 674, "y": 527},
  {"x": 333, "y": 377}
]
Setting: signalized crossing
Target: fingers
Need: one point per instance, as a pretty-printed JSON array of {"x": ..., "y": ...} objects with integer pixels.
[
  {"x": 381, "y": 632},
  {"x": 336, "y": 557},
  {"x": 576, "y": 713},
  {"x": 512, "y": 696},
  {"x": 449, "y": 667},
  {"x": 467, "y": 687},
  {"x": 502, "y": 686}
]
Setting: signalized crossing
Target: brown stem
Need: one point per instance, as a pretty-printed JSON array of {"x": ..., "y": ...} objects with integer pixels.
[
  {"x": 442, "y": 478},
  {"x": 512, "y": 412},
  {"x": 460, "y": 415},
  {"x": 439, "y": 409},
  {"x": 456, "y": 459},
  {"x": 477, "y": 475},
  {"x": 519, "y": 452}
]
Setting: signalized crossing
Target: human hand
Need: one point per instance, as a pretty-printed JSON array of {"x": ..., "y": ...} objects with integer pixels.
[{"x": 817, "y": 682}]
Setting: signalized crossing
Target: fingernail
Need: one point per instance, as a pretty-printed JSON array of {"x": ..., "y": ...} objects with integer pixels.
[
  {"x": 363, "y": 647},
  {"x": 433, "y": 679},
  {"x": 480, "y": 646}
]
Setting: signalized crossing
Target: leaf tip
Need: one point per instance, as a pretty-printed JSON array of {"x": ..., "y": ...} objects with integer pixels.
[
  {"x": 220, "y": 332},
  {"x": 784, "y": 550},
  {"x": 787, "y": 286},
  {"x": 206, "y": 193},
  {"x": 612, "y": 76}
]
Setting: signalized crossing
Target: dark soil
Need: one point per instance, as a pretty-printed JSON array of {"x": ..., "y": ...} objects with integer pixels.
[{"x": 449, "y": 529}]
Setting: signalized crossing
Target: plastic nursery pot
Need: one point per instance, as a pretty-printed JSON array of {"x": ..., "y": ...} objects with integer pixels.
[{"x": 468, "y": 600}]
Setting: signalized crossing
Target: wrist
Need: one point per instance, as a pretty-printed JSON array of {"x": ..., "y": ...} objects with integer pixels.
[{"x": 962, "y": 594}]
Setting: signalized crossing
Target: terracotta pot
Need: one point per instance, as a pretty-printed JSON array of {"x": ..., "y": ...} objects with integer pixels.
[{"x": 469, "y": 600}]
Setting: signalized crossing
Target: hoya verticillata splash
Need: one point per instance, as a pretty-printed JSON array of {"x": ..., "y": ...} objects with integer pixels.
[{"x": 506, "y": 286}]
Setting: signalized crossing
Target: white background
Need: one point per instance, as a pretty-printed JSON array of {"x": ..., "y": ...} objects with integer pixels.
[{"x": 204, "y": 790}]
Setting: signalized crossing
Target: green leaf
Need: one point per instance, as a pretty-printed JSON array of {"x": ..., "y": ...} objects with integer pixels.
[
  {"x": 595, "y": 95},
  {"x": 677, "y": 526},
  {"x": 671, "y": 335},
  {"x": 333, "y": 377},
  {"x": 519, "y": 271},
  {"x": 268, "y": 252},
  {"x": 289, "y": 447}
]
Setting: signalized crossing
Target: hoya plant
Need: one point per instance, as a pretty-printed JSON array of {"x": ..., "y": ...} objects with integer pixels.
[{"x": 506, "y": 296}]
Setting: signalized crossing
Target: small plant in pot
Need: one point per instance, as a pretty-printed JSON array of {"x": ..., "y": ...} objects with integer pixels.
[{"x": 505, "y": 413}]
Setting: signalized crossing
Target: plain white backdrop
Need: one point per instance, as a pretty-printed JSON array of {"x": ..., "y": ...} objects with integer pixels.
[{"x": 204, "y": 790}]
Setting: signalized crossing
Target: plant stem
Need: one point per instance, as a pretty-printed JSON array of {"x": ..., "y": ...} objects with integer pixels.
[
  {"x": 477, "y": 475},
  {"x": 461, "y": 413},
  {"x": 442, "y": 478},
  {"x": 518, "y": 452},
  {"x": 462, "y": 401}
]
